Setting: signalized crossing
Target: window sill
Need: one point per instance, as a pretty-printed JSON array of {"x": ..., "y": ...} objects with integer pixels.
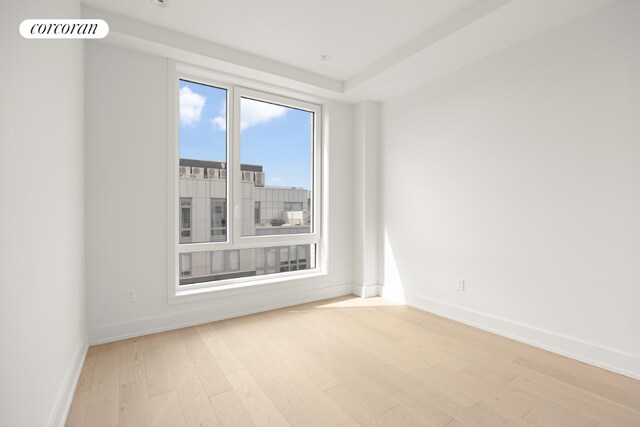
[{"x": 240, "y": 288}]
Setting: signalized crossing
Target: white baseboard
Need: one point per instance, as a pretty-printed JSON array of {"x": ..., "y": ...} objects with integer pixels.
[
  {"x": 365, "y": 291},
  {"x": 60, "y": 412},
  {"x": 216, "y": 311},
  {"x": 611, "y": 360}
]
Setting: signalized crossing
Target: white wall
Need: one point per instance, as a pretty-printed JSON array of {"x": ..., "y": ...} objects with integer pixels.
[
  {"x": 127, "y": 239},
  {"x": 521, "y": 175},
  {"x": 42, "y": 294}
]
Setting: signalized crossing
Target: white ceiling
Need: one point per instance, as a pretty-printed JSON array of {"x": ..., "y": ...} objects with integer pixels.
[
  {"x": 355, "y": 33},
  {"x": 378, "y": 48}
]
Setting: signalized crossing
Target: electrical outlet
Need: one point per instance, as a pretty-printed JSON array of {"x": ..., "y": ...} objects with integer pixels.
[
  {"x": 460, "y": 284},
  {"x": 131, "y": 295}
]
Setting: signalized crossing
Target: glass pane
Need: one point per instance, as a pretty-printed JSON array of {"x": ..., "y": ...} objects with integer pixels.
[
  {"x": 217, "y": 262},
  {"x": 185, "y": 264},
  {"x": 256, "y": 213},
  {"x": 233, "y": 260},
  {"x": 218, "y": 220},
  {"x": 260, "y": 259},
  {"x": 185, "y": 218},
  {"x": 272, "y": 257},
  {"x": 276, "y": 156},
  {"x": 212, "y": 266},
  {"x": 203, "y": 163}
]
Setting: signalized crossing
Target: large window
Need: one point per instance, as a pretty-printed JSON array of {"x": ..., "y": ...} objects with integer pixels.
[{"x": 247, "y": 184}]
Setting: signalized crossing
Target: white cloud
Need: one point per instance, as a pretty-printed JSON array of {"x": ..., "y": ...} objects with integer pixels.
[
  {"x": 252, "y": 113},
  {"x": 220, "y": 122},
  {"x": 256, "y": 112},
  {"x": 191, "y": 106}
]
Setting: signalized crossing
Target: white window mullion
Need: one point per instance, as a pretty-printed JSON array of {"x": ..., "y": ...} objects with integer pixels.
[{"x": 236, "y": 184}]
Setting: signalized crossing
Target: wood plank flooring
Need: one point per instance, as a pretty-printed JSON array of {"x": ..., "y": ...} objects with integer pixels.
[{"x": 343, "y": 362}]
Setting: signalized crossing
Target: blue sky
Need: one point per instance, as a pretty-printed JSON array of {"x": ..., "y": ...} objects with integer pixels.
[{"x": 276, "y": 137}]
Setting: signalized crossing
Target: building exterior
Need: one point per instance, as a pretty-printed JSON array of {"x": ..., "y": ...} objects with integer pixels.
[{"x": 266, "y": 210}]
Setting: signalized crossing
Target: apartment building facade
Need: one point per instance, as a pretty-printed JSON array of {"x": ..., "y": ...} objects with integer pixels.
[{"x": 266, "y": 210}]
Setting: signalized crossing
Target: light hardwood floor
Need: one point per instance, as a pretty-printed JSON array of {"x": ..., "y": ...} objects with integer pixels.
[{"x": 343, "y": 362}]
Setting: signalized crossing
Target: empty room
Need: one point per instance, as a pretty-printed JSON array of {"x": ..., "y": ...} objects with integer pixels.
[{"x": 320, "y": 213}]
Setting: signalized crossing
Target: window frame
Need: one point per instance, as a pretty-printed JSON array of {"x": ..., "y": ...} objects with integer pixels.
[
  {"x": 282, "y": 239},
  {"x": 234, "y": 239}
]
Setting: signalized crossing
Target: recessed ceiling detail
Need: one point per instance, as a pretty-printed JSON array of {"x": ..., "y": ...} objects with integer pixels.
[
  {"x": 357, "y": 33},
  {"x": 373, "y": 49}
]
